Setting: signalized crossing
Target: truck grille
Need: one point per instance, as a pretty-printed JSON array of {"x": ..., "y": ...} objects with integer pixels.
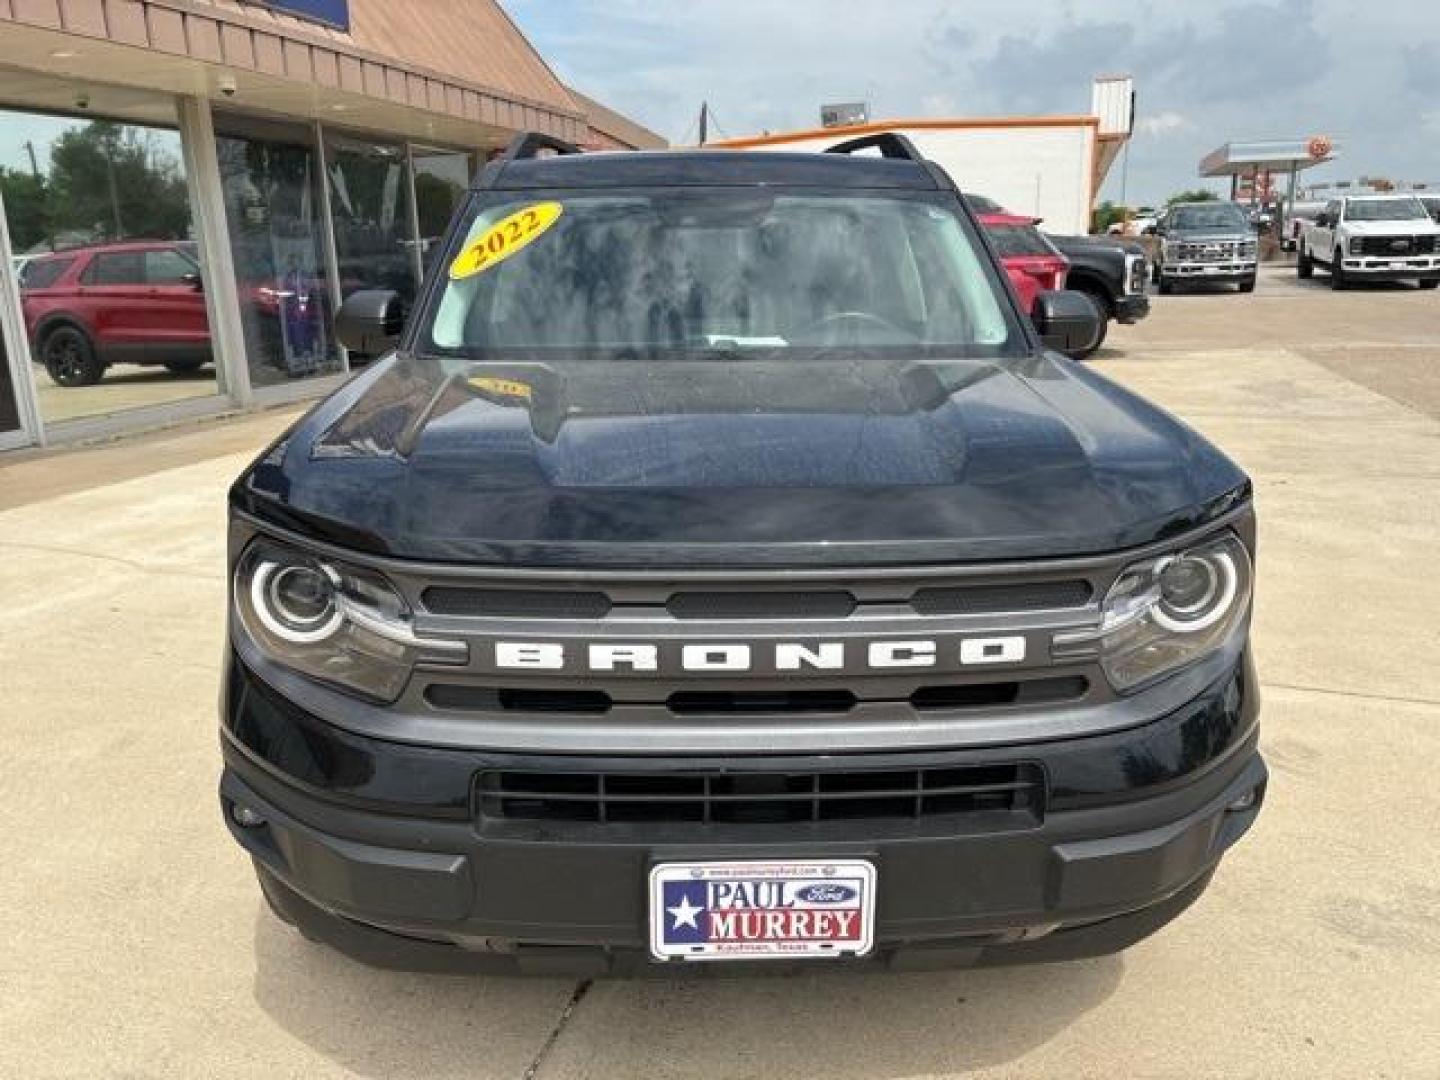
[
  {"x": 1014, "y": 791},
  {"x": 1217, "y": 251},
  {"x": 1396, "y": 245}
]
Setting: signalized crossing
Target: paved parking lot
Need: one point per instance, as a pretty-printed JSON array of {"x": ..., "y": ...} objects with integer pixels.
[{"x": 136, "y": 944}]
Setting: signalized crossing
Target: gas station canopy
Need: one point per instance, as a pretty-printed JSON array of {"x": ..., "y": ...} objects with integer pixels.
[
  {"x": 1273, "y": 155},
  {"x": 1251, "y": 166}
]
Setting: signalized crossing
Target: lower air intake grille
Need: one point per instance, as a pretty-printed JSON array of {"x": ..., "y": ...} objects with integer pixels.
[{"x": 759, "y": 798}]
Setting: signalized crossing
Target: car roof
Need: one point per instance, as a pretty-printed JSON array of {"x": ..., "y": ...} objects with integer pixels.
[
  {"x": 707, "y": 168},
  {"x": 110, "y": 246},
  {"x": 988, "y": 218},
  {"x": 1386, "y": 197}
]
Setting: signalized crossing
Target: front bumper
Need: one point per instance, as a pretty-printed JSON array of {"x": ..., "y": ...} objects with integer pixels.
[
  {"x": 1226, "y": 271},
  {"x": 1370, "y": 268},
  {"x": 1131, "y": 309},
  {"x": 1134, "y": 824}
]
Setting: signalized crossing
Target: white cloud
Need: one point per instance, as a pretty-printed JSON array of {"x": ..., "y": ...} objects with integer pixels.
[
  {"x": 1203, "y": 75},
  {"x": 1162, "y": 124}
]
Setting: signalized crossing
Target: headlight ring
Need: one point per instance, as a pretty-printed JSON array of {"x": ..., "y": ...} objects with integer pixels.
[{"x": 279, "y": 595}]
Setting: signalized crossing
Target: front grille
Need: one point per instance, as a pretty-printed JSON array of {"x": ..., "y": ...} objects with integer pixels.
[
  {"x": 516, "y": 603},
  {"x": 1396, "y": 245},
  {"x": 780, "y": 660},
  {"x": 1217, "y": 251},
  {"x": 835, "y": 604},
  {"x": 1007, "y": 791},
  {"x": 994, "y": 599}
]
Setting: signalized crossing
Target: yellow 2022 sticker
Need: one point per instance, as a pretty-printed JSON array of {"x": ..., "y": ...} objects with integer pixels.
[{"x": 504, "y": 238}]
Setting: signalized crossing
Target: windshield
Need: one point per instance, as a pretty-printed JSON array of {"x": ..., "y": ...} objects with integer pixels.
[
  {"x": 692, "y": 273},
  {"x": 1219, "y": 216},
  {"x": 1384, "y": 210}
]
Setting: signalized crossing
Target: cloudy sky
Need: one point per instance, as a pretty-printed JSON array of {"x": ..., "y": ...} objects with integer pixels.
[{"x": 1206, "y": 71}]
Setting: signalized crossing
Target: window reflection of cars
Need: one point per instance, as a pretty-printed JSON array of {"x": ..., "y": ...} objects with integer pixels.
[{"x": 139, "y": 302}]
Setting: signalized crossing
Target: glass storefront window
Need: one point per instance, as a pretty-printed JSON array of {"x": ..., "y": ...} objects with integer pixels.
[
  {"x": 442, "y": 178},
  {"x": 100, "y": 226},
  {"x": 370, "y": 210},
  {"x": 271, "y": 179}
]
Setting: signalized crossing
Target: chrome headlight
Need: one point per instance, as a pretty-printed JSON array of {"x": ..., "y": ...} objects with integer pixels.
[
  {"x": 333, "y": 622},
  {"x": 1166, "y": 612},
  {"x": 1357, "y": 245}
]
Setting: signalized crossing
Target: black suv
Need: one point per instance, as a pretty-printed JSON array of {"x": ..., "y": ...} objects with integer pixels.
[{"x": 721, "y": 566}]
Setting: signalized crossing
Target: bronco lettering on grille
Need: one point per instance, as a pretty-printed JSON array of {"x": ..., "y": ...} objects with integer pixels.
[{"x": 744, "y": 656}]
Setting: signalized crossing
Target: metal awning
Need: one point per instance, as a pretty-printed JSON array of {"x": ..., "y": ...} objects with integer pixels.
[{"x": 1273, "y": 155}]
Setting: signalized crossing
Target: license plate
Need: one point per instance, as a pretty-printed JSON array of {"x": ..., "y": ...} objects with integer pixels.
[{"x": 762, "y": 910}]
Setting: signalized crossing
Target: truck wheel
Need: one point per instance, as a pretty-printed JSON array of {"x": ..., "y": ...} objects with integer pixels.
[
  {"x": 1166, "y": 287},
  {"x": 1304, "y": 265},
  {"x": 1102, "y": 305},
  {"x": 70, "y": 358},
  {"x": 1429, "y": 283},
  {"x": 1337, "y": 273},
  {"x": 1248, "y": 284}
]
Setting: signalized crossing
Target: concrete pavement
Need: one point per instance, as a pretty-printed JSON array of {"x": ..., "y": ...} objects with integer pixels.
[{"x": 136, "y": 943}]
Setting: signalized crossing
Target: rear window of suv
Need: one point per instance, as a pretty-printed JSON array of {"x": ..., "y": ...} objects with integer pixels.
[
  {"x": 42, "y": 273},
  {"x": 1013, "y": 240},
  {"x": 695, "y": 272}
]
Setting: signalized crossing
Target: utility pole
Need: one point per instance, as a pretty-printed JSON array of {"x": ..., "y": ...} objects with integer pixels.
[
  {"x": 704, "y": 117},
  {"x": 34, "y": 168}
]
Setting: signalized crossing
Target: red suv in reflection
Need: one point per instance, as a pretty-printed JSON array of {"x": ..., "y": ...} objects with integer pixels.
[
  {"x": 1031, "y": 262},
  {"x": 140, "y": 302}
]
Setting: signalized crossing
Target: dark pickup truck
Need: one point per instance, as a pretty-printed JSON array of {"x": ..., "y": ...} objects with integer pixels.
[
  {"x": 1111, "y": 272},
  {"x": 719, "y": 566}
]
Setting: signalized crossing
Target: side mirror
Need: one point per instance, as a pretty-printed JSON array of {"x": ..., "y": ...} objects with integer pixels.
[
  {"x": 1068, "y": 321},
  {"x": 195, "y": 281},
  {"x": 369, "y": 321}
]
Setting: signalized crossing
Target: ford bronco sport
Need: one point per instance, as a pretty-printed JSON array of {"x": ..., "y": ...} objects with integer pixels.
[{"x": 720, "y": 566}]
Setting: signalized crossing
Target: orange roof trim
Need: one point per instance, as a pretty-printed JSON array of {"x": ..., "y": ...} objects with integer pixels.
[{"x": 929, "y": 123}]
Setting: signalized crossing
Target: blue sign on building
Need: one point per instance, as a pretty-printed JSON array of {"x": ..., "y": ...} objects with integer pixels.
[{"x": 334, "y": 13}]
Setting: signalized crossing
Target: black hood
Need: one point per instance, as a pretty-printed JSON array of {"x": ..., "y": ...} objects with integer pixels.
[{"x": 739, "y": 463}]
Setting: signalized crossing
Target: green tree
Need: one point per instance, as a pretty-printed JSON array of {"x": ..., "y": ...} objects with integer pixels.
[
  {"x": 111, "y": 181},
  {"x": 1197, "y": 195},
  {"x": 1107, "y": 214},
  {"x": 25, "y": 206}
]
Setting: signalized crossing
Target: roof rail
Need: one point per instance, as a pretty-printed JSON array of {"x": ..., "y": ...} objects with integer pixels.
[
  {"x": 528, "y": 144},
  {"x": 891, "y": 144}
]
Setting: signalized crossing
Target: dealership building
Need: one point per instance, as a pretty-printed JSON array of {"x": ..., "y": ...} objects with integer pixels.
[
  {"x": 1051, "y": 167},
  {"x": 191, "y": 187}
]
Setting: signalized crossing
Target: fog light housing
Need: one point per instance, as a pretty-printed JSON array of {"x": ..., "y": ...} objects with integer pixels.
[{"x": 246, "y": 817}]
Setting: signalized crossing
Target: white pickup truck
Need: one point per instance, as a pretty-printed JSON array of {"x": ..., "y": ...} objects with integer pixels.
[{"x": 1372, "y": 238}]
